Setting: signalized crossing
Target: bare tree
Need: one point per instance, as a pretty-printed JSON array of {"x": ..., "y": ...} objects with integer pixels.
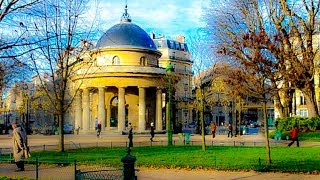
[
  {"x": 60, "y": 48},
  {"x": 297, "y": 22},
  {"x": 203, "y": 61},
  {"x": 241, "y": 34},
  {"x": 10, "y": 67}
]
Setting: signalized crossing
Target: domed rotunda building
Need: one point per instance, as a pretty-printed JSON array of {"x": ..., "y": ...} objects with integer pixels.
[{"x": 122, "y": 83}]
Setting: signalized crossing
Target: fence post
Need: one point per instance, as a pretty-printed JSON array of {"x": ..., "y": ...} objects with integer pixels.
[
  {"x": 259, "y": 163},
  {"x": 37, "y": 169},
  {"x": 44, "y": 147},
  {"x": 75, "y": 169},
  {"x": 234, "y": 143}
]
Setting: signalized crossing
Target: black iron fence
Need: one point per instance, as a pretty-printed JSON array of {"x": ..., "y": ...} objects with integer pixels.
[
  {"x": 36, "y": 169},
  {"x": 181, "y": 141}
]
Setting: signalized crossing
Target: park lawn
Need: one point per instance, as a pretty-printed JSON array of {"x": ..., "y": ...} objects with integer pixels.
[
  {"x": 284, "y": 159},
  {"x": 310, "y": 136}
]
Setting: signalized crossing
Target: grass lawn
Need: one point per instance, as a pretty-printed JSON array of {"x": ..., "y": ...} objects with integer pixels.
[{"x": 285, "y": 159}]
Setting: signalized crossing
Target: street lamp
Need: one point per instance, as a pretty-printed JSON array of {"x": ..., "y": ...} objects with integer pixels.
[{"x": 169, "y": 70}]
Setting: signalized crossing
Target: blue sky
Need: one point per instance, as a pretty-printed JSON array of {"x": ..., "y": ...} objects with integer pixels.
[
  {"x": 166, "y": 17},
  {"x": 163, "y": 17}
]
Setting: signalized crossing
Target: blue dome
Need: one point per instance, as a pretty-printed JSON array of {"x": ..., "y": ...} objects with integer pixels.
[{"x": 126, "y": 34}]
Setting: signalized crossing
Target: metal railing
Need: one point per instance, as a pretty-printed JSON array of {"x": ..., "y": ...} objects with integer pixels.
[{"x": 181, "y": 141}]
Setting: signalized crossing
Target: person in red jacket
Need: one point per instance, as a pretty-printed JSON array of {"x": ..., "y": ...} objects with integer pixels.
[{"x": 294, "y": 136}]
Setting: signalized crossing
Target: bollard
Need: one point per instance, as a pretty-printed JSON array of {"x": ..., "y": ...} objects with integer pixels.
[
  {"x": 259, "y": 163},
  {"x": 75, "y": 169},
  {"x": 37, "y": 169},
  {"x": 128, "y": 166}
]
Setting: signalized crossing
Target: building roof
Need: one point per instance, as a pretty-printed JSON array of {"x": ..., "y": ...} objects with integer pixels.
[{"x": 126, "y": 35}]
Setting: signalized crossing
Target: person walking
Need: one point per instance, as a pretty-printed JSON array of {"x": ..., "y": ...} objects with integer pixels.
[
  {"x": 152, "y": 132},
  {"x": 20, "y": 148},
  {"x": 99, "y": 129},
  {"x": 130, "y": 137},
  {"x": 213, "y": 128},
  {"x": 95, "y": 124},
  {"x": 77, "y": 129},
  {"x": 294, "y": 136},
  {"x": 230, "y": 130}
]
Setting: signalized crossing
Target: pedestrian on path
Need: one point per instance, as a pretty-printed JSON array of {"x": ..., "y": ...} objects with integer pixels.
[
  {"x": 213, "y": 128},
  {"x": 294, "y": 136},
  {"x": 99, "y": 129},
  {"x": 152, "y": 132},
  {"x": 20, "y": 148},
  {"x": 95, "y": 124},
  {"x": 130, "y": 137},
  {"x": 230, "y": 130}
]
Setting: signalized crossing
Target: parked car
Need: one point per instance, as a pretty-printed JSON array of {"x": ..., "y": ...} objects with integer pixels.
[{"x": 68, "y": 129}]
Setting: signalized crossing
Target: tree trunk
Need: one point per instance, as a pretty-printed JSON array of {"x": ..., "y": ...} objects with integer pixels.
[
  {"x": 266, "y": 133},
  {"x": 278, "y": 105},
  {"x": 202, "y": 124},
  {"x": 311, "y": 101},
  {"x": 61, "y": 133}
]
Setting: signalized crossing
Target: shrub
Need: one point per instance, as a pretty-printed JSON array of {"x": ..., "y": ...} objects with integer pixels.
[
  {"x": 304, "y": 124},
  {"x": 284, "y": 135}
]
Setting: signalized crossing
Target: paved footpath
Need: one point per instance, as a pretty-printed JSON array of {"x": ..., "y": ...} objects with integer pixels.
[
  {"x": 40, "y": 140},
  {"x": 63, "y": 173}
]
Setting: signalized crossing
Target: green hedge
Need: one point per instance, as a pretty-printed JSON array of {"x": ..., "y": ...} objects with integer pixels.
[
  {"x": 283, "y": 135},
  {"x": 303, "y": 124}
]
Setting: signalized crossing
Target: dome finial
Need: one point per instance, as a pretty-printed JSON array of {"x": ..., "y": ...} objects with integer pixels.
[{"x": 125, "y": 16}]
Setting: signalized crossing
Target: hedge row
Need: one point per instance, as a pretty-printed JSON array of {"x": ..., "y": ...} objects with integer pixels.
[{"x": 304, "y": 124}]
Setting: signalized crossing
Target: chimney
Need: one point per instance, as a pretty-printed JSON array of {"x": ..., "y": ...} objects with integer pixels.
[
  {"x": 180, "y": 39},
  {"x": 152, "y": 35}
]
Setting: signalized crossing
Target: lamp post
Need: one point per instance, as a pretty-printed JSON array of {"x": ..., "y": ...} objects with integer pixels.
[
  {"x": 26, "y": 107},
  {"x": 169, "y": 70}
]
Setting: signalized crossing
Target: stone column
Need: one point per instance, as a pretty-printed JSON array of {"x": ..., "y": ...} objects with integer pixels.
[
  {"x": 108, "y": 115},
  {"x": 142, "y": 109},
  {"x": 85, "y": 109},
  {"x": 101, "y": 108},
  {"x": 121, "y": 109},
  {"x": 78, "y": 114},
  {"x": 159, "y": 110}
]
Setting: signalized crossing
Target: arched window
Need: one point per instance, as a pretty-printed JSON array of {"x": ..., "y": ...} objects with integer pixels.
[
  {"x": 143, "y": 61},
  {"x": 114, "y": 112},
  {"x": 115, "y": 60},
  {"x": 302, "y": 99}
]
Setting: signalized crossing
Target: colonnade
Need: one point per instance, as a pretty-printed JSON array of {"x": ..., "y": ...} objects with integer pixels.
[{"x": 82, "y": 109}]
